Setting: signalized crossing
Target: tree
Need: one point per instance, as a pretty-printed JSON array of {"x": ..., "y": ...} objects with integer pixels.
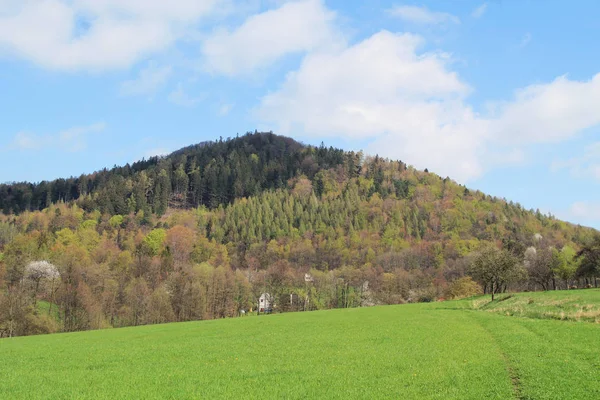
[
  {"x": 181, "y": 180},
  {"x": 153, "y": 243},
  {"x": 162, "y": 193},
  {"x": 568, "y": 265},
  {"x": 268, "y": 211},
  {"x": 495, "y": 268},
  {"x": 159, "y": 307},
  {"x": 180, "y": 241},
  {"x": 38, "y": 271},
  {"x": 137, "y": 296},
  {"x": 589, "y": 258},
  {"x": 540, "y": 266}
]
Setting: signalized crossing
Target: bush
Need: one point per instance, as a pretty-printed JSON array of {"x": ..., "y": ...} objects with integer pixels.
[
  {"x": 39, "y": 324},
  {"x": 423, "y": 295},
  {"x": 463, "y": 287}
]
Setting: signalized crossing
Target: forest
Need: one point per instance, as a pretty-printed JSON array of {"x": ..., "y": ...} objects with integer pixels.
[{"x": 203, "y": 232}]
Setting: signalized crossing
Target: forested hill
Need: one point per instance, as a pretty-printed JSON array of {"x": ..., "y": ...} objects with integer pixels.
[
  {"x": 203, "y": 232},
  {"x": 210, "y": 174}
]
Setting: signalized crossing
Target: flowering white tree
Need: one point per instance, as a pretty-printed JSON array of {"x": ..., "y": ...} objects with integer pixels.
[{"x": 37, "y": 271}]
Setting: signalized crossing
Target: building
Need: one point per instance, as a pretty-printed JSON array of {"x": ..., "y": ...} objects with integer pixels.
[{"x": 265, "y": 303}]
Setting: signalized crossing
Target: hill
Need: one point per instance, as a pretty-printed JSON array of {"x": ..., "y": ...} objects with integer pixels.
[
  {"x": 418, "y": 351},
  {"x": 202, "y": 233},
  {"x": 209, "y": 174}
]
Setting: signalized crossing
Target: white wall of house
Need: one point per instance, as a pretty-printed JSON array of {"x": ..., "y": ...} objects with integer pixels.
[{"x": 264, "y": 302}]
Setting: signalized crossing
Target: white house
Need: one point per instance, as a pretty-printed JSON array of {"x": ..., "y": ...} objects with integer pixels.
[{"x": 265, "y": 303}]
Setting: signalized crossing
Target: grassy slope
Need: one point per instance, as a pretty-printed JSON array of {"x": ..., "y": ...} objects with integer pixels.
[
  {"x": 574, "y": 305},
  {"x": 442, "y": 350},
  {"x": 44, "y": 308}
]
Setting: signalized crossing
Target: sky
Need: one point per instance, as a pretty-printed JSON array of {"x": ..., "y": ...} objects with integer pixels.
[{"x": 500, "y": 95}]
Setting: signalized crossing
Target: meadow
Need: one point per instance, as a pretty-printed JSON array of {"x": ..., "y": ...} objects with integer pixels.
[{"x": 513, "y": 348}]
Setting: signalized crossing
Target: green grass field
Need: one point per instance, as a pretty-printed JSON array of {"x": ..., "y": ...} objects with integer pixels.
[
  {"x": 578, "y": 305},
  {"x": 465, "y": 349}
]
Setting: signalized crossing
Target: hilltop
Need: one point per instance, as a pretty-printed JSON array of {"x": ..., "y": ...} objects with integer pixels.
[
  {"x": 203, "y": 232},
  {"x": 208, "y": 173}
]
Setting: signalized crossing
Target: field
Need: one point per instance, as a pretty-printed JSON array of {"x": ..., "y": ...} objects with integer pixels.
[{"x": 466, "y": 349}]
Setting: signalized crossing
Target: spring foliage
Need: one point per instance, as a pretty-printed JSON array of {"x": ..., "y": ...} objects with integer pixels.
[{"x": 204, "y": 232}]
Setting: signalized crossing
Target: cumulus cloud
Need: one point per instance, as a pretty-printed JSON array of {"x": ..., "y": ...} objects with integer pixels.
[
  {"x": 147, "y": 82},
  {"x": 422, "y": 15},
  {"x": 295, "y": 27},
  {"x": 411, "y": 105},
  {"x": 549, "y": 112},
  {"x": 384, "y": 90},
  {"x": 72, "y": 139},
  {"x": 95, "y": 34}
]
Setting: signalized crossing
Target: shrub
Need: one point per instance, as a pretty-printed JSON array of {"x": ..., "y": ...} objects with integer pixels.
[{"x": 463, "y": 287}]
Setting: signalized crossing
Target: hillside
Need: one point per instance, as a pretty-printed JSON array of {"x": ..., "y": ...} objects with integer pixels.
[
  {"x": 202, "y": 233},
  {"x": 417, "y": 351}
]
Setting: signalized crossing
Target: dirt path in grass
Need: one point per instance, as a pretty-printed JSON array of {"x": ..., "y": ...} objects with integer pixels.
[
  {"x": 510, "y": 369},
  {"x": 546, "y": 359}
]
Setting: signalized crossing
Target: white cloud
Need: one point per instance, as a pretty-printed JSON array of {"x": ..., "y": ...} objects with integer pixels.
[
  {"x": 181, "y": 98},
  {"x": 585, "y": 166},
  {"x": 147, "y": 82},
  {"x": 422, "y": 15},
  {"x": 412, "y": 106},
  {"x": 550, "y": 112},
  {"x": 479, "y": 11},
  {"x": 586, "y": 210},
  {"x": 72, "y": 139},
  {"x": 295, "y": 27},
  {"x": 95, "y": 34},
  {"x": 409, "y": 104}
]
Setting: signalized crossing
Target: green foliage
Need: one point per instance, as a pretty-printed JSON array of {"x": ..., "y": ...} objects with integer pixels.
[
  {"x": 211, "y": 173},
  {"x": 203, "y": 232},
  {"x": 154, "y": 241},
  {"x": 463, "y": 287},
  {"x": 116, "y": 221},
  {"x": 66, "y": 237},
  {"x": 495, "y": 268},
  {"x": 589, "y": 258},
  {"x": 568, "y": 264},
  {"x": 89, "y": 224}
]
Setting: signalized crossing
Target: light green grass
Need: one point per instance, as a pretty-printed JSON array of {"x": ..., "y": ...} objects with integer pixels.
[
  {"x": 574, "y": 305},
  {"x": 43, "y": 307},
  {"x": 421, "y": 351}
]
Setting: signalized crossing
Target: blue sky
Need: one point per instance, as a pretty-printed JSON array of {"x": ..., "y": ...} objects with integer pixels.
[{"x": 503, "y": 96}]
